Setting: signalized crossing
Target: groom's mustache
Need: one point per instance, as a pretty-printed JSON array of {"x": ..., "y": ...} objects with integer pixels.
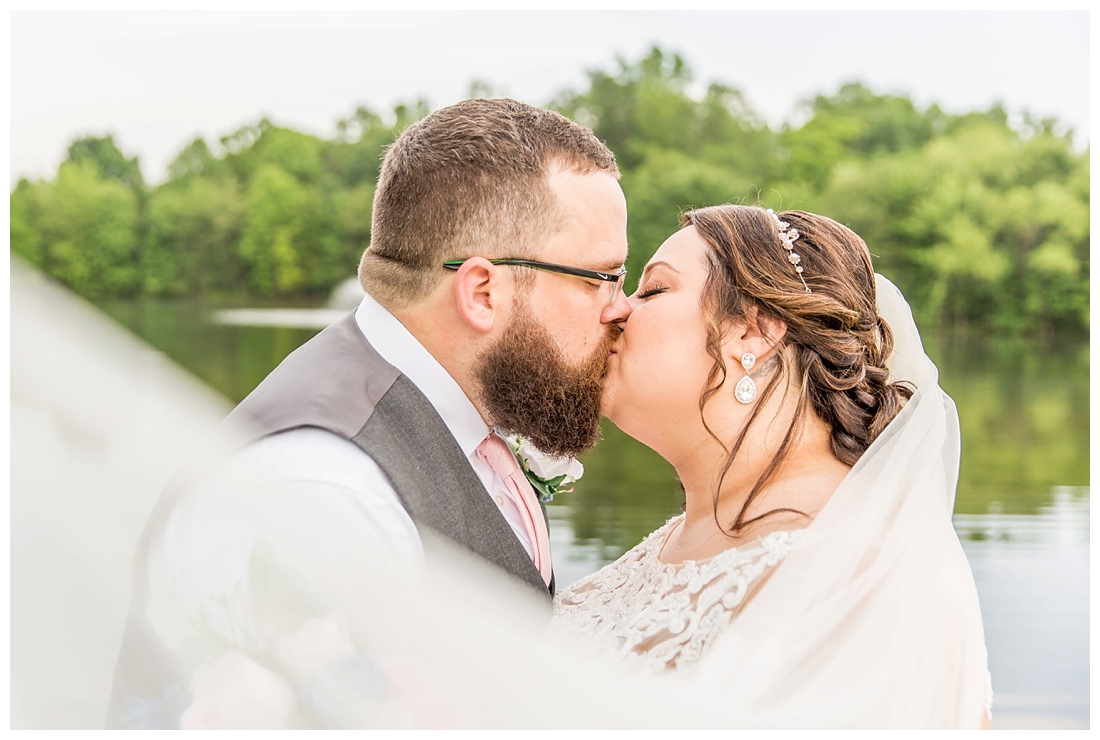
[{"x": 614, "y": 331}]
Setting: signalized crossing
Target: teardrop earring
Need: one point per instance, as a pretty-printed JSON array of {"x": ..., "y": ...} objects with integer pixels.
[{"x": 745, "y": 391}]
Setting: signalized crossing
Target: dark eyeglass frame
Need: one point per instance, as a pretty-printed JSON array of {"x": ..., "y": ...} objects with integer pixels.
[{"x": 607, "y": 277}]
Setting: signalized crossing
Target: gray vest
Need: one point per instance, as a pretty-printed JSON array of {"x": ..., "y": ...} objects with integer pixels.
[{"x": 338, "y": 382}]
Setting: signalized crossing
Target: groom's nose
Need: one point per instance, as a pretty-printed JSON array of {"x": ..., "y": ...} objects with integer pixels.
[{"x": 618, "y": 310}]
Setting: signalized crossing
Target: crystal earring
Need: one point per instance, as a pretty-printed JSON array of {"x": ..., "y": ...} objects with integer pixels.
[{"x": 745, "y": 392}]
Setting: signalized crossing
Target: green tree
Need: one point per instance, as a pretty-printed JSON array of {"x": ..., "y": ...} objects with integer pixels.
[
  {"x": 645, "y": 107},
  {"x": 356, "y": 158},
  {"x": 80, "y": 228},
  {"x": 981, "y": 224},
  {"x": 108, "y": 160},
  {"x": 195, "y": 160},
  {"x": 970, "y": 233},
  {"x": 853, "y": 124},
  {"x": 250, "y": 148},
  {"x": 25, "y": 238},
  {"x": 658, "y": 191},
  {"x": 353, "y": 216},
  {"x": 191, "y": 244},
  {"x": 675, "y": 151},
  {"x": 288, "y": 244}
]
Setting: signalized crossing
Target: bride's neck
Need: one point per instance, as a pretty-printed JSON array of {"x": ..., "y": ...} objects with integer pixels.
[{"x": 701, "y": 470}]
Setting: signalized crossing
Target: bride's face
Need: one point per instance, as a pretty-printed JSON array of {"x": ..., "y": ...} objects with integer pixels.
[{"x": 658, "y": 368}]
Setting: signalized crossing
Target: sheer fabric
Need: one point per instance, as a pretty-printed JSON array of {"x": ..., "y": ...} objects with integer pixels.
[{"x": 873, "y": 620}]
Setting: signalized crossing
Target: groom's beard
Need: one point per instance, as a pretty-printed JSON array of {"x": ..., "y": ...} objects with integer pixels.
[{"x": 528, "y": 387}]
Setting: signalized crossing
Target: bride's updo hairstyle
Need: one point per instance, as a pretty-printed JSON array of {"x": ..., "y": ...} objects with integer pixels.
[{"x": 838, "y": 344}]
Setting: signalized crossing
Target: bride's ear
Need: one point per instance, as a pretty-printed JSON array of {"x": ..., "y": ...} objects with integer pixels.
[{"x": 755, "y": 333}]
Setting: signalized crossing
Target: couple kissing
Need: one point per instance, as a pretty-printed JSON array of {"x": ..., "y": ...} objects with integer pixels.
[{"x": 813, "y": 578}]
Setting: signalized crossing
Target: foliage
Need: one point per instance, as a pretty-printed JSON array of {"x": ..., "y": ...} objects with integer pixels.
[
  {"x": 979, "y": 226},
  {"x": 288, "y": 243},
  {"x": 982, "y": 224},
  {"x": 658, "y": 191},
  {"x": 108, "y": 160},
  {"x": 80, "y": 228},
  {"x": 193, "y": 231}
]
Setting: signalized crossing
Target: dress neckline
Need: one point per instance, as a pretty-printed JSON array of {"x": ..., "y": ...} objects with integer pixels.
[{"x": 659, "y": 544}]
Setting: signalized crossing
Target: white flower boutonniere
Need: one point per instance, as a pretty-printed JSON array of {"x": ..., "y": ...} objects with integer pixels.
[{"x": 548, "y": 475}]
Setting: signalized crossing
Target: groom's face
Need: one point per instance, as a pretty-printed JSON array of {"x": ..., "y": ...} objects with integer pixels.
[
  {"x": 542, "y": 378},
  {"x": 591, "y": 234}
]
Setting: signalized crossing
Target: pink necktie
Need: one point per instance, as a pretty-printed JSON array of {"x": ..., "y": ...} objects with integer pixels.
[{"x": 498, "y": 456}]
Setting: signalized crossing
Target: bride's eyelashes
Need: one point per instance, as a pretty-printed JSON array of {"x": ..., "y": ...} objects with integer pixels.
[{"x": 652, "y": 291}]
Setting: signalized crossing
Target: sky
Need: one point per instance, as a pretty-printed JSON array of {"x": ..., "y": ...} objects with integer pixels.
[{"x": 157, "y": 80}]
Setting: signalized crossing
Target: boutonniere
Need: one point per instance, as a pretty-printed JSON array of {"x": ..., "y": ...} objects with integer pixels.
[{"x": 548, "y": 475}]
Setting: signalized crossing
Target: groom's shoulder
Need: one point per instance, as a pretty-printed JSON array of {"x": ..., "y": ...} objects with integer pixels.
[{"x": 333, "y": 382}]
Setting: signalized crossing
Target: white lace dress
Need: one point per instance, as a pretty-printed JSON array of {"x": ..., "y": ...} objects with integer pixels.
[{"x": 661, "y": 616}]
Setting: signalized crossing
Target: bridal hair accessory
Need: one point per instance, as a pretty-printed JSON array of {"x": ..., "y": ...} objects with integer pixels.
[
  {"x": 745, "y": 391},
  {"x": 787, "y": 235},
  {"x": 547, "y": 475}
]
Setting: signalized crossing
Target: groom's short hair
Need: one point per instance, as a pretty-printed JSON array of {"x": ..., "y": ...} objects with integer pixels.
[{"x": 469, "y": 180}]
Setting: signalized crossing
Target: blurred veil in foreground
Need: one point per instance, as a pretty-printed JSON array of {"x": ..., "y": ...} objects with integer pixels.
[
  {"x": 310, "y": 629},
  {"x": 260, "y": 612},
  {"x": 99, "y": 421}
]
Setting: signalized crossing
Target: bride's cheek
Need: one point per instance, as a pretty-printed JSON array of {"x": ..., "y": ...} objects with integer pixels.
[{"x": 619, "y": 389}]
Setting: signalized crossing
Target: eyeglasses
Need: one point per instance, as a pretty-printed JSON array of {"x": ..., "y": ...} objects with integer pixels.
[{"x": 614, "y": 280}]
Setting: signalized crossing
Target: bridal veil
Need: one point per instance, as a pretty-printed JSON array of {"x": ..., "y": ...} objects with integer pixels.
[{"x": 873, "y": 621}]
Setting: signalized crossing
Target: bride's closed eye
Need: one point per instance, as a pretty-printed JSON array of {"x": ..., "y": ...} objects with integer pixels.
[{"x": 652, "y": 291}]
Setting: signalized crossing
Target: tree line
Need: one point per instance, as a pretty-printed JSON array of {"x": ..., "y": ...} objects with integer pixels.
[{"x": 982, "y": 224}]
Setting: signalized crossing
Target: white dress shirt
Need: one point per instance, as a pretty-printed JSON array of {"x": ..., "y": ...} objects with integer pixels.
[{"x": 349, "y": 479}]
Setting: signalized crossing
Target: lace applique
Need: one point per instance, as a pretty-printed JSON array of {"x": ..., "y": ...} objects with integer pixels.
[{"x": 663, "y": 616}]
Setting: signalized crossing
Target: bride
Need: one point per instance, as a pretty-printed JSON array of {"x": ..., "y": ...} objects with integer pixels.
[{"x": 814, "y": 571}]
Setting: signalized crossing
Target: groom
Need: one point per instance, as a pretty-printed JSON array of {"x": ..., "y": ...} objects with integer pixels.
[{"x": 494, "y": 291}]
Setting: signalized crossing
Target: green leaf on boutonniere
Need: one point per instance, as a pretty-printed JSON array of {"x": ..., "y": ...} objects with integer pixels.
[{"x": 545, "y": 488}]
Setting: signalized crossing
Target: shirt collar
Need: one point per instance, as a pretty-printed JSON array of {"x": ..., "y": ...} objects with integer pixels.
[{"x": 400, "y": 348}]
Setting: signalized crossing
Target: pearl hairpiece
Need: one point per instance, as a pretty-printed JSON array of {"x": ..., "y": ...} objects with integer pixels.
[{"x": 787, "y": 235}]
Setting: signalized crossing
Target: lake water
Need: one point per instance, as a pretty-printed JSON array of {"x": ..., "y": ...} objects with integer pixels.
[{"x": 1022, "y": 509}]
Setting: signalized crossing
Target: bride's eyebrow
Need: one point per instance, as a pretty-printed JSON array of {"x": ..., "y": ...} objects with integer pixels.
[{"x": 658, "y": 263}]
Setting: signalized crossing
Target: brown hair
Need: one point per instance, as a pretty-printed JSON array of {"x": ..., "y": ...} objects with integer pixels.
[
  {"x": 469, "y": 179},
  {"x": 839, "y": 343}
]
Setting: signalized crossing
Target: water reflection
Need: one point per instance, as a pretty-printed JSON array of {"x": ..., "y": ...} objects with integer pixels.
[
  {"x": 292, "y": 318},
  {"x": 232, "y": 359},
  {"x": 1024, "y": 415},
  {"x": 1032, "y": 573},
  {"x": 1064, "y": 521}
]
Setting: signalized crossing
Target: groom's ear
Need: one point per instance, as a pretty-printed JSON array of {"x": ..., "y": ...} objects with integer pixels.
[{"x": 478, "y": 290}]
